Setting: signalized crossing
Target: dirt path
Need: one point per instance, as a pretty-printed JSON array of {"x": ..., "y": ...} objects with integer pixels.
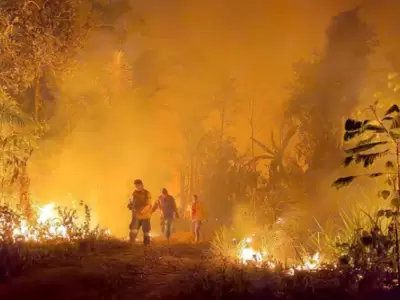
[{"x": 124, "y": 272}]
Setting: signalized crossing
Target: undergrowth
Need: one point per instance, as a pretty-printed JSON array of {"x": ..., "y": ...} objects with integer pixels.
[{"x": 25, "y": 244}]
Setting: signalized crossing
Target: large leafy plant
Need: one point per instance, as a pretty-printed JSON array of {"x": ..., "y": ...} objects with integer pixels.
[{"x": 378, "y": 138}]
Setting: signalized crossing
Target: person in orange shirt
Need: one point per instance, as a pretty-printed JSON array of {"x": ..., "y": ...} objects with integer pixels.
[
  {"x": 198, "y": 215},
  {"x": 140, "y": 205}
]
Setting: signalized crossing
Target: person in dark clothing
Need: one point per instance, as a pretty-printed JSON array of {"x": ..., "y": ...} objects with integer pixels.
[
  {"x": 140, "y": 205},
  {"x": 167, "y": 205}
]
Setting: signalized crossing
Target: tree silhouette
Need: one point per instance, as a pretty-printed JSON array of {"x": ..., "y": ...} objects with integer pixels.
[
  {"x": 326, "y": 89},
  {"x": 38, "y": 38}
]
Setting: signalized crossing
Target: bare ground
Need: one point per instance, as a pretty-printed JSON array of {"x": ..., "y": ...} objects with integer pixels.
[
  {"x": 119, "y": 271},
  {"x": 123, "y": 272}
]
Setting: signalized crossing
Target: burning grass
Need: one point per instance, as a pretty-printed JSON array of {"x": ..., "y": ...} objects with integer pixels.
[
  {"x": 255, "y": 250},
  {"x": 233, "y": 267},
  {"x": 357, "y": 245},
  {"x": 49, "y": 223},
  {"x": 54, "y": 234}
]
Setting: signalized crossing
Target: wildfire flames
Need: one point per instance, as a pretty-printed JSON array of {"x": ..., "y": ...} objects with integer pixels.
[
  {"x": 47, "y": 217},
  {"x": 248, "y": 255},
  {"x": 310, "y": 264},
  {"x": 49, "y": 225}
]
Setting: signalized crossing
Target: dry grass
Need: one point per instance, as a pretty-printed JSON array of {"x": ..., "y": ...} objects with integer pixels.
[{"x": 115, "y": 270}]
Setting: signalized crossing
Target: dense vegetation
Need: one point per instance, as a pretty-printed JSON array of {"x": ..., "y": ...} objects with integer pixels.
[{"x": 272, "y": 195}]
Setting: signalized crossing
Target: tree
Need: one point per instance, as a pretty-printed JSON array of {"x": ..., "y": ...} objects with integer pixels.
[
  {"x": 252, "y": 107},
  {"x": 191, "y": 108},
  {"x": 224, "y": 176},
  {"x": 110, "y": 11},
  {"x": 194, "y": 136},
  {"x": 380, "y": 138},
  {"x": 225, "y": 103},
  {"x": 276, "y": 152},
  {"x": 101, "y": 86},
  {"x": 284, "y": 180},
  {"x": 38, "y": 38},
  {"x": 18, "y": 137},
  {"x": 326, "y": 89}
]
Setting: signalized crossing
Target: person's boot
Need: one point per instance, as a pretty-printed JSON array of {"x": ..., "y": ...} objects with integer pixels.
[
  {"x": 132, "y": 237},
  {"x": 146, "y": 241},
  {"x": 169, "y": 248},
  {"x": 146, "y": 244}
]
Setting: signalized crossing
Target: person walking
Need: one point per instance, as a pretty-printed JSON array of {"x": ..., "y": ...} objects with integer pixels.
[
  {"x": 140, "y": 205},
  {"x": 198, "y": 215},
  {"x": 167, "y": 206}
]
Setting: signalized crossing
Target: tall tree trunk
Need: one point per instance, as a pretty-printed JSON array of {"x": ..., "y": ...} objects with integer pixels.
[
  {"x": 24, "y": 187},
  {"x": 191, "y": 176},
  {"x": 195, "y": 176},
  {"x": 252, "y": 131},
  {"x": 182, "y": 183},
  {"x": 222, "y": 116},
  {"x": 396, "y": 223},
  {"x": 254, "y": 163},
  {"x": 25, "y": 202},
  {"x": 36, "y": 99}
]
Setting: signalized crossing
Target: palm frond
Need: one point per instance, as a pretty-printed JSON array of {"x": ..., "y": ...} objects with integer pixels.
[
  {"x": 348, "y": 135},
  {"x": 394, "y": 135},
  {"x": 392, "y": 109},
  {"x": 367, "y": 141},
  {"x": 288, "y": 136},
  {"x": 274, "y": 144},
  {"x": 354, "y": 128},
  {"x": 395, "y": 122},
  {"x": 376, "y": 128},
  {"x": 261, "y": 157},
  {"x": 374, "y": 175},
  {"x": 348, "y": 160},
  {"x": 263, "y": 147},
  {"x": 364, "y": 147},
  {"x": 369, "y": 159},
  {"x": 343, "y": 181},
  {"x": 353, "y": 125}
]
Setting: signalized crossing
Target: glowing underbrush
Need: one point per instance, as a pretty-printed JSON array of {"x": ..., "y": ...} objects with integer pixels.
[
  {"x": 255, "y": 250},
  {"x": 49, "y": 222}
]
